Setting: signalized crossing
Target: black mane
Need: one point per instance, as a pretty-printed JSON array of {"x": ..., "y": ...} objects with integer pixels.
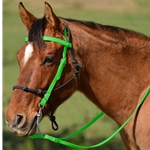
[
  {"x": 38, "y": 27},
  {"x": 93, "y": 25},
  {"x": 37, "y": 31},
  {"x": 110, "y": 29},
  {"x": 89, "y": 24}
]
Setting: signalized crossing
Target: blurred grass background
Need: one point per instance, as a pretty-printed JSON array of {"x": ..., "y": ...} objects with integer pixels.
[{"x": 77, "y": 111}]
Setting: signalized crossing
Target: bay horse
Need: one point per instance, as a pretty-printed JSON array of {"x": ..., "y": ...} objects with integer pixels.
[{"x": 110, "y": 65}]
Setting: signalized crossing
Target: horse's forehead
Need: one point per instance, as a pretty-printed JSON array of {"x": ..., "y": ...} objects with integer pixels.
[{"x": 28, "y": 53}]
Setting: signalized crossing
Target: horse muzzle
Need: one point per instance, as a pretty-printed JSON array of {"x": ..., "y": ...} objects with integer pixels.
[{"x": 21, "y": 127}]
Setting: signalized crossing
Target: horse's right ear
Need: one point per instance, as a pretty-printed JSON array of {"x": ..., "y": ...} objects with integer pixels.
[{"x": 26, "y": 17}]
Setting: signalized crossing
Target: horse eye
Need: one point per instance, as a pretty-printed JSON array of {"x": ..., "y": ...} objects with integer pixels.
[{"x": 48, "y": 60}]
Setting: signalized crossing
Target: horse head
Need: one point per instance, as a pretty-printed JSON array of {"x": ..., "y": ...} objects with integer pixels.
[{"x": 39, "y": 60}]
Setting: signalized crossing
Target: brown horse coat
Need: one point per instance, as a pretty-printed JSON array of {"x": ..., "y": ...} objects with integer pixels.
[{"x": 114, "y": 75}]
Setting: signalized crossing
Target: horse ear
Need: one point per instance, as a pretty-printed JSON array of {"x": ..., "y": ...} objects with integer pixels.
[
  {"x": 26, "y": 17},
  {"x": 51, "y": 18}
]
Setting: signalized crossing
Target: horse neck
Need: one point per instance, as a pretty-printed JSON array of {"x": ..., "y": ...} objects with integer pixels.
[
  {"x": 86, "y": 48},
  {"x": 86, "y": 45},
  {"x": 99, "y": 79}
]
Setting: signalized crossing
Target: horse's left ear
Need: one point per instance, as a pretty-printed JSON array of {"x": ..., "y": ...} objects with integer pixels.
[
  {"x": 26, "y": 17},
  {"x": 51, "y": 18}
]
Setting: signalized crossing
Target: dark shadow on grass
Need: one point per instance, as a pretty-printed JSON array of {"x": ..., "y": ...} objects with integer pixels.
[{"x": 12, "y": 142}]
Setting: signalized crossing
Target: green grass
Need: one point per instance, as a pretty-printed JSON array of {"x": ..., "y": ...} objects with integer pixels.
[{"x": 76, "y": 111}]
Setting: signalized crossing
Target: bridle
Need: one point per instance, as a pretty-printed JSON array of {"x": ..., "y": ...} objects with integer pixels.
[{"x": 45, "y": 94}]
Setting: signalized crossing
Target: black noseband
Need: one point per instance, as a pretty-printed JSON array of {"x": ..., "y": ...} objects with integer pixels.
[{"x": 26, "y": 89}]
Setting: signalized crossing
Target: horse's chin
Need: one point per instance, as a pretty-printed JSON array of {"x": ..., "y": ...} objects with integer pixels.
[
  {"x": 22, "y": 133},
  {"x": 28, "y": 130}
]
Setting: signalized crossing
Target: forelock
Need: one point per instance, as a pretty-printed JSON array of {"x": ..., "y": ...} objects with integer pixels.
[{"x": 36, "y": 32}]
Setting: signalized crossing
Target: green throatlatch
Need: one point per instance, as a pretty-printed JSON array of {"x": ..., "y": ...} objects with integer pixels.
[{"x": 46, "y": 97}]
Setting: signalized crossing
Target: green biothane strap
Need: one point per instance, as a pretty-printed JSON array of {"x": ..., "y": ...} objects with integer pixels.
[
  {"x": 85, "y": 127},
  {"x": 53, "y": 39},
  {"x": 62, "y": 64},
  {"x": 69, "y": 144},
  {"x": 77, "y": 132},
  {"x": 56, "y": 78}
]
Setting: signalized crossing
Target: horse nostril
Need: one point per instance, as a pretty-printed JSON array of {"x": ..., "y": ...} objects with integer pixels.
[{"x": 19, "y": 121}]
